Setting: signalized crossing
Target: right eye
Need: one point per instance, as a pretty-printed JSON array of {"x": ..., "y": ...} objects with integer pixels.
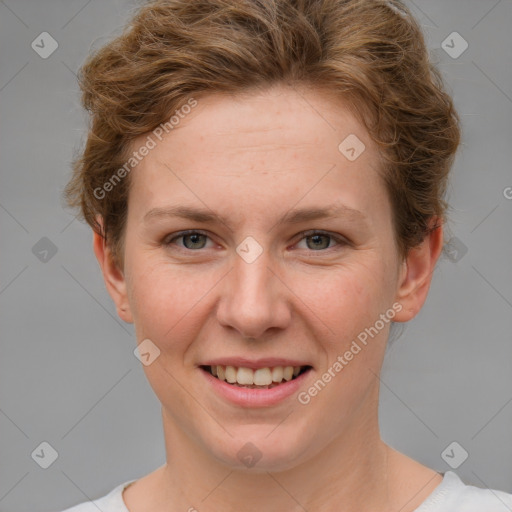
[{"x": 192, "y": 240}]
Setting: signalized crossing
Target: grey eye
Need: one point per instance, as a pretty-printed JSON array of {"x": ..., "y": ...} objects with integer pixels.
[{"x": 197, "y": 240}]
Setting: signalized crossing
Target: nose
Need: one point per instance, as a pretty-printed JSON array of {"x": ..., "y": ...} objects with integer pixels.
[{"x": 253, "y": 299}]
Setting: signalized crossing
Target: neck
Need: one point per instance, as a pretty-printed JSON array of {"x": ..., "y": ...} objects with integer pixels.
[{"x": 349, "y": 474}]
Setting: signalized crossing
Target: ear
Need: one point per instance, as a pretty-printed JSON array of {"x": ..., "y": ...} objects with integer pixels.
[
  {"x": 115, "y": 281},
  {"x": 416, "y": 273}
]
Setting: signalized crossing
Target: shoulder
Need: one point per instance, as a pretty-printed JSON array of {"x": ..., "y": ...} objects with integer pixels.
[
  {"x": 453, "y": 495},
  {"x": 111, "y": 502}
]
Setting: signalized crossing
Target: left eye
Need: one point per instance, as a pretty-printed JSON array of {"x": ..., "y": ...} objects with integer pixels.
[{"x": 320, "y": 240}]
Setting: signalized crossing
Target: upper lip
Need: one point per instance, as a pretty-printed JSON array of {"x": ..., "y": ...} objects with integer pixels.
[{"x": 267, "y": 362}]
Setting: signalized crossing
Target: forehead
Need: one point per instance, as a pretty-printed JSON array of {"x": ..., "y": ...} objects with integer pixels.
[
  {"x": 281, "y": 142},
  {"x": 281, "y": 117}
]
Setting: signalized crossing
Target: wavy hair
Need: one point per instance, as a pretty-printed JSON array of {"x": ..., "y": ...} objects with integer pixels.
[{"x": 370, "y": 53}]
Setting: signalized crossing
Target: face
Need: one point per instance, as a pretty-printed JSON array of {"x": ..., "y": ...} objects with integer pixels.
[{"x": 252, "y": 241}]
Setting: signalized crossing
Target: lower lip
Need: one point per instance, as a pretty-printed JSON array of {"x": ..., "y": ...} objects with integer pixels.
[{"x": 251, "y": 397}]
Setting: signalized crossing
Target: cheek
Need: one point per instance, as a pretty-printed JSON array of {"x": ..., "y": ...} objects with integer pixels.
[
  {"x": 346, "y": 298},
  {"x": 166, "y": 301},
  {"x": 349, "y": 303},
  {"x": 167, "y": 307}
]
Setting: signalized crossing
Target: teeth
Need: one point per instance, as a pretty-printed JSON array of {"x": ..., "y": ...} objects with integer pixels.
[
  {"x": 231, "y": 374},
  {"x": 288, "y": 372},
  {"x": 260, "y": 377},
  {"x": 245, "y": 376},
  {"x": 277, "y": 374}
]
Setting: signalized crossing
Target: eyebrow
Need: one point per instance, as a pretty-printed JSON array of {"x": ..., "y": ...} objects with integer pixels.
[{"x": 294, "y": 216}]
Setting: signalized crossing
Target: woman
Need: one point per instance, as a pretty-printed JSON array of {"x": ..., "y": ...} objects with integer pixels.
[{"x": 265, "y": 182}]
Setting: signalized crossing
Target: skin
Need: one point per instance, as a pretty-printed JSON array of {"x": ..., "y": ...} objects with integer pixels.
[{"x": 252, "y": 158}]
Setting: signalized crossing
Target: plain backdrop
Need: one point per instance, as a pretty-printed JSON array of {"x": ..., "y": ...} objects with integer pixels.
[{"x": 68, "y": 374}]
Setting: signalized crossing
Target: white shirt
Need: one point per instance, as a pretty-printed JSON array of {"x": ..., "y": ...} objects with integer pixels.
[{"x": 451, "y": 495}]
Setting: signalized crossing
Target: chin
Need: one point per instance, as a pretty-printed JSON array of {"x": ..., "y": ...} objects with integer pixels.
[{"x": 261, "y": 453}]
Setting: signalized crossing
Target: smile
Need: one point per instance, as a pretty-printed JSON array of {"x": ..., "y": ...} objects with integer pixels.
[{"x": 261, "y": 378}]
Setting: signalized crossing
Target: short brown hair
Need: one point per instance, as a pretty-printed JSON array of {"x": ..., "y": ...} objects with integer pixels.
[{"x": 370, "y": 52}]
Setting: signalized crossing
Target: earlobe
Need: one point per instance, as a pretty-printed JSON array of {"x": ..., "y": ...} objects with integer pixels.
[
  {"x": 113, "y": 277},
  {"x": 417, "y": 272}
]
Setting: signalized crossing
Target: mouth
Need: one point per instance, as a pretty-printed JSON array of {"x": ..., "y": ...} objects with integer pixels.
[{"x": 260, "y": 378}]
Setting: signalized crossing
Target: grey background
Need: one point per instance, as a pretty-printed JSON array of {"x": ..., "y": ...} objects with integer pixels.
[{"x": 67, "y": 369}]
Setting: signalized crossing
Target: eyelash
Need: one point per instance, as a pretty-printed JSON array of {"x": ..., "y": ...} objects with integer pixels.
[{"x": 303, "y": 234}]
